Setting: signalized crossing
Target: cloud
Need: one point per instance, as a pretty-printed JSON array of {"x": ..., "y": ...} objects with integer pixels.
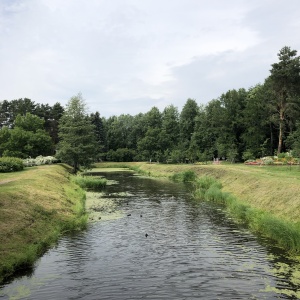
[{"x": 126, "y": 56}]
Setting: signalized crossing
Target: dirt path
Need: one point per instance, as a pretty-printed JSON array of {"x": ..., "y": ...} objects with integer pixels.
[{"x": 7, "y": 181}]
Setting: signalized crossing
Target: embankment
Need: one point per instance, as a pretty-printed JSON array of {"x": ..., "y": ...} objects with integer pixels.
[
  {"x": 37, "y": 205},
  {"x": 266, "y": 198},
  {"x": 274, "y": 189}
]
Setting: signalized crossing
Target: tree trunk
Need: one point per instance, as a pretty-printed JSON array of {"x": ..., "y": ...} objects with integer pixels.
[{"x": 281, "y": 127}]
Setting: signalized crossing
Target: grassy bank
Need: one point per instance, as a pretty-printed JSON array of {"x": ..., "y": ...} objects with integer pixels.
[
  {"x": 37, "y": 205},
  {"x": 267, "y": 199}
]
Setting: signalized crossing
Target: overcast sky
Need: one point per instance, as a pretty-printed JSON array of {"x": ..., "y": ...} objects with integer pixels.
[{"x": 126, "y": 56}]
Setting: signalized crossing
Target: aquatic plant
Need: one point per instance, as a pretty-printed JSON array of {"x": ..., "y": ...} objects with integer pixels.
[{"x": 89, "y": 182}]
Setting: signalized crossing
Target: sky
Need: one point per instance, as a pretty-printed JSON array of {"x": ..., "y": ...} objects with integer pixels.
[{"x": 126, "y": 56}]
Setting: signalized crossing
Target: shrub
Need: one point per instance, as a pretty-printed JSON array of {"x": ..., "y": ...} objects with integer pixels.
[
  {"x": 189, "y": 176},
  {"x": 39, "y": 160},
  {"x": 268, "y": 160},
  {"x": 248, "y": 155},
  {"x": 10, "y": 164}
]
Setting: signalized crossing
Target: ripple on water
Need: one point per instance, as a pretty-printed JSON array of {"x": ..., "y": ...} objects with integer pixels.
[{"x": 192, "y": 252}]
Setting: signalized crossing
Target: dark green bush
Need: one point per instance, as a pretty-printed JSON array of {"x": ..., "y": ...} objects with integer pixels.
[{"x": 11, "y": 164}]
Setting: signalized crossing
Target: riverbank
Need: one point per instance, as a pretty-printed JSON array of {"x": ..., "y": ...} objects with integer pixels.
[
  {"x": 271, "y": 190},
  {"x": 37, "y": 205}
]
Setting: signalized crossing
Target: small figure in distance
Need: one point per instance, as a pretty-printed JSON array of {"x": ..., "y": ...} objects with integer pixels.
[{"x": 146, "y": 235}]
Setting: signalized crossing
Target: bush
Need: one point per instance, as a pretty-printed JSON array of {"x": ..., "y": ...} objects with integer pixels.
[
  {"x": 39, "y": 160},
  {"x": 10, "y": 164},
  {"x": 268, "y": 160},
  {"x": 248, "y": 155}
]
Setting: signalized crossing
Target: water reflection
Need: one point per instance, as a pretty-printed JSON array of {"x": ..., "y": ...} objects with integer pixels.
[{"x": 193, "y": 251}]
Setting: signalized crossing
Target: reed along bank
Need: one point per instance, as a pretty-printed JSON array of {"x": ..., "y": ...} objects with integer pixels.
[{"x": 37, "y": 205}]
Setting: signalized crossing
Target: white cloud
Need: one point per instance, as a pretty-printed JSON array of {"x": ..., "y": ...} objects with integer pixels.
[{"x": 128, "y": 55}]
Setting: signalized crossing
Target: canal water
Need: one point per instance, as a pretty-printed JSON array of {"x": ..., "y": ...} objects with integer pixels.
[{"x": 157, "y": 242}]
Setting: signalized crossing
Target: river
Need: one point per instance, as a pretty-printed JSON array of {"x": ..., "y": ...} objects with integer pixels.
[{"x": 158, "y": 243}]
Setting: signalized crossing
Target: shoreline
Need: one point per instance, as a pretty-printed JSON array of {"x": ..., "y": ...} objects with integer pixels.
[
  {"x": 266, "y": 200},
  {"x": 37, "y": 206}
]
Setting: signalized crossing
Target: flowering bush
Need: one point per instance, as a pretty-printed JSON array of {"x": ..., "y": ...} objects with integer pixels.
[
  {"x": 281, "y": 159},
  {"x": 39, "y": 160},
  {"x": 268, "y": 160}
]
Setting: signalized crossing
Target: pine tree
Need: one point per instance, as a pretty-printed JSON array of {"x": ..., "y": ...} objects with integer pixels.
[{"x": 77, "y": 145}]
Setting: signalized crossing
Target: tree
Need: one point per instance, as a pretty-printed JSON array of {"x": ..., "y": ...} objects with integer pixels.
[
  {"x": 27, "y": 138},
  {"x": 29, "y": 122},
  {"x": 77, "y": 145},
  {"x": 285, "y": 83},
  {"x": 170, "y": 128},
  {"x": 258, "y": 127},
  {"x": 99, "y": 130},
  {"x": 293, "y": 140},
  {"x": 187, "y": 122}
]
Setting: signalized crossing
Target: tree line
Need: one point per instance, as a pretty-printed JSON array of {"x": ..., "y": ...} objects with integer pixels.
[{"x": 239, "y": 125}]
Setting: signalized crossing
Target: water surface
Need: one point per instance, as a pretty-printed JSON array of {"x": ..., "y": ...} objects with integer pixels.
[{"x": 192, "y": 251}]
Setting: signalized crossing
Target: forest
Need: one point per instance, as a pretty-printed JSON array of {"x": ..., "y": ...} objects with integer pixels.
[{"x": 240, "y": 125}]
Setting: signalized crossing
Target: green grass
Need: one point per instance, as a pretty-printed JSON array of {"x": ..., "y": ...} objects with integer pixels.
[
  {"x": 186, "y": 176},
  {"x": 284, "y": 234},
  {"x": 89, "y": 182},
  {"x": 264, "y": 198},
  {"x": 37, "y": 206}
]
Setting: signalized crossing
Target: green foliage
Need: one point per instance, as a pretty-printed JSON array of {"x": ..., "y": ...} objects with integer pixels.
[
  {"x": 285, "y": 84},
  {"x": 187, "y": 121},
  {"x": 205, "y": 182},
  {"x": 285, "y": 234},
  {"x": 293, "y": 140},
  {"x": 248, "y": 155},
  {"x": 29, "y": 122},
  {"x": 28, "y": 138},
  {"x": 239, "y": 125},
  {"x": 10, "y": 164},
  {"x": 78, "y": 145},
  {"x": 121, "y": 155},
  {"x": 89, "y": 182},
  {"x": 186, "y": 176}
]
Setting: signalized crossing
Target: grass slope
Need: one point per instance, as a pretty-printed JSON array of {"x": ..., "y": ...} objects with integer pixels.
[
  {"x": 36, "y": 206},
  {"x": 266, "y": 199},
  {"x": 275, "y": 189}
]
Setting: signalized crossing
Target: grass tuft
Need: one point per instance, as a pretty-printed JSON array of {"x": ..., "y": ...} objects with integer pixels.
[
  {"x": 89, "y": 182},
  {"x": 186, "y": 176}
]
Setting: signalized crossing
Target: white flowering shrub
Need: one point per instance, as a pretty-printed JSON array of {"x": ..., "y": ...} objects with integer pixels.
[
  {"x": 39, "y": 160},
  {"x": 268, "y": 160}
]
